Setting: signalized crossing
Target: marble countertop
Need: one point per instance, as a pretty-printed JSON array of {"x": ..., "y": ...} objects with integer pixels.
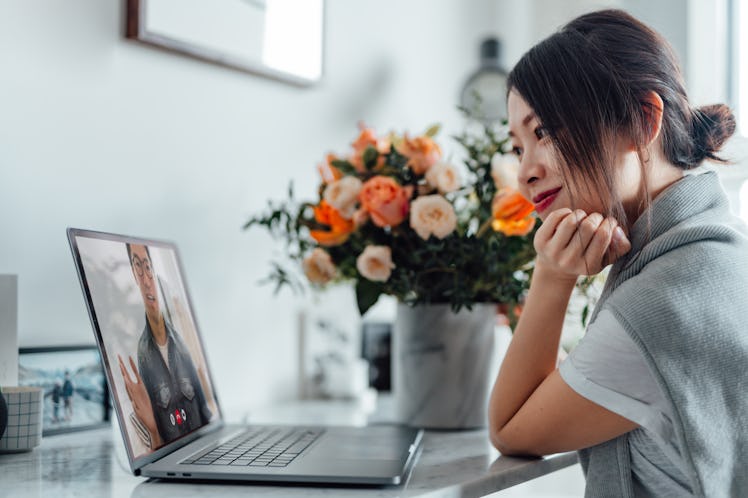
[{"x": 93, "y": 464}]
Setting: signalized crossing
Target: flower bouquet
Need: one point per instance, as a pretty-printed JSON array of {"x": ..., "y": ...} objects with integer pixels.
[{"x": 393, "y": 217}]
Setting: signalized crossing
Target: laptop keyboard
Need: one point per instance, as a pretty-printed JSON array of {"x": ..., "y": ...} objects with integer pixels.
[{"x": 266, "y": 447}]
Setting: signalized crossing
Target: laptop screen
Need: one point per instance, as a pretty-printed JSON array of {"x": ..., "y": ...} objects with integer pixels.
[{"x": 149, "y": 339}]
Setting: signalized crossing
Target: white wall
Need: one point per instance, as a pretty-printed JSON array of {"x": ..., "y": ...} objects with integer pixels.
[
  {"x": 100, "y": 132},
  {"x": 527, "y": 22}
]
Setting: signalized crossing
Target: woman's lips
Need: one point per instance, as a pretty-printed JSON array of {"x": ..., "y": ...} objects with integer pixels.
[{"x": 544, "y": 200}]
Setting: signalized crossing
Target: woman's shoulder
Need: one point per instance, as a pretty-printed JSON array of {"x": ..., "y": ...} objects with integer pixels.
[{"x": 719, "y": 250}]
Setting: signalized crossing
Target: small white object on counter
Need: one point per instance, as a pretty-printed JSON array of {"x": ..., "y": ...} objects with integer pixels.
[{"x": 8, "y": 330}]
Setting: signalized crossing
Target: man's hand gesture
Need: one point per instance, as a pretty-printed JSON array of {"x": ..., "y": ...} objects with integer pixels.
[{"x": 140, "y": 400}]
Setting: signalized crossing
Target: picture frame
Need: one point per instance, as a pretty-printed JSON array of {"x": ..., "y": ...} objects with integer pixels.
[
  {"x": 76, "y": 394},
  {"x": 279, "y": 39}
]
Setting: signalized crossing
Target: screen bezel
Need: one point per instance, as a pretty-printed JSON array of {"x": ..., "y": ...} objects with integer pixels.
[{"x": 137, "y": 463}]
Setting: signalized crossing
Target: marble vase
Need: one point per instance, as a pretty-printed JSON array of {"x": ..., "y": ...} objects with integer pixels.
[{"x": 443, "y": 364}]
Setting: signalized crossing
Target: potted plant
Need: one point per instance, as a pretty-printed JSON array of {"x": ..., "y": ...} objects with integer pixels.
[{"x": 450, "y": 243}]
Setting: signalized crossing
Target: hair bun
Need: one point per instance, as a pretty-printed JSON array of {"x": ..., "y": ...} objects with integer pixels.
[{"x": 711, "y": 126}]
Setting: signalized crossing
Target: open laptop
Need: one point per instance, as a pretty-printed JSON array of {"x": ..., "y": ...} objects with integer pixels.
[{"x": 165, "y": 400}]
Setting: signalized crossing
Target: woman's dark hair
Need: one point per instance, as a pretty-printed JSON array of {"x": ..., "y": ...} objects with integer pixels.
[{"x": 590, "y": 84}]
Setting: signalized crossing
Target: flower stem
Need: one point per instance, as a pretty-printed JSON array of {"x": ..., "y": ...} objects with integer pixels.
[{"x": 484, "y": 227}]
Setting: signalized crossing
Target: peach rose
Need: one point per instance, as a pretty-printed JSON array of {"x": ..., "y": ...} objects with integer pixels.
[
  {"x": 512, "y": 213},
  {"x": 504, "y": 170},
  {"x": 375, "y": 263},
  {"x": 318, "y": 267},
  {"x": 340, "y": 228},
  {"x": 367, "y": 138},
  {"x": 327, "y": 171},
  {"x": 422, "y": 152},
  {"x": 432, "y": 215},
  {"x": 343, "y": 195},
  {"x": 385, "y": 200},
  {"x": 443, "y": 177}
]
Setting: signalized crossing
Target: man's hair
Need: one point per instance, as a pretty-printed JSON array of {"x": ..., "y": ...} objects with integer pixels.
[{"x": 129, "y": 252}]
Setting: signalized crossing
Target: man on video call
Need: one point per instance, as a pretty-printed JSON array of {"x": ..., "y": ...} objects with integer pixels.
[{"x": 166, "y": 393}]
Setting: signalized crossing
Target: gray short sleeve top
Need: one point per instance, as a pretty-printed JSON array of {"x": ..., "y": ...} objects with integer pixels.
[{"x": 607, "y": 368}]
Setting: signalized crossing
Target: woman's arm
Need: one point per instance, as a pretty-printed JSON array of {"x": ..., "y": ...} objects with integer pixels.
[{"x": 532, "y": 410}]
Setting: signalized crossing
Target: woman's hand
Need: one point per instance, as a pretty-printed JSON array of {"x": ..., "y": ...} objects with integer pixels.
[
  {"x": 530, "y": 400},
  {"x": 572, "y": 243},
  {"x": 140, "y": 400}
]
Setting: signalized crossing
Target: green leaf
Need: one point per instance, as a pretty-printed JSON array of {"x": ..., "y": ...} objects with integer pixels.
[
  {"x": 370, "y": 156},
  {"x": 585, "y": 312},
  {"x": 367, "y": 293},
  {"x": 345, "y": 167},
  {"x": 433, "y": 130}
]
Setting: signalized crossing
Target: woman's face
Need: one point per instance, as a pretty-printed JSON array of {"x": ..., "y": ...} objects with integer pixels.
[{"x": 540, "y": 177}]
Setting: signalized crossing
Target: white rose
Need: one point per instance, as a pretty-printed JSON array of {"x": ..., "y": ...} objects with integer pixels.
[
  {"x": 342, "y": 195},
  {"x": 443, "y": 177},
  {"x": 375, "y": 263},
  {"x": 504, "y": 170},
  {"x": 318, "y": 267},
  {"x": 432, "y": 215}
]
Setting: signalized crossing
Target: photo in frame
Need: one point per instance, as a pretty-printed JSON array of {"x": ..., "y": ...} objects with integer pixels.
[
  {"x": 279, "y": 39},
  {"x": 76, "y": 395}
]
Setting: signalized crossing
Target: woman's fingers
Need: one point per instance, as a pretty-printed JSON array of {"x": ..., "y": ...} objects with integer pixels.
[
  {"x": 579, "y": 244},
  {"x": 619, "y": 245},
  {"x": 586, "y": 231},
  {"x": 566, "y": 231},
  {"x": 599, "y": 245},
  {"x": 548, "y": 228}
]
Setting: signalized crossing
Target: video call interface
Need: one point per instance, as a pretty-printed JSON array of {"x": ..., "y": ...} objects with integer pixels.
[{"x": 161, "y": 384}]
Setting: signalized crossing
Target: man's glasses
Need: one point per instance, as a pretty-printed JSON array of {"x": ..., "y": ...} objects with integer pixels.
[{"x": 142, "y": 266}]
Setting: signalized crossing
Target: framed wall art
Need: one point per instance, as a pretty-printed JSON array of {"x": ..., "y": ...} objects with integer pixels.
[{"x": 280, "y": 39}]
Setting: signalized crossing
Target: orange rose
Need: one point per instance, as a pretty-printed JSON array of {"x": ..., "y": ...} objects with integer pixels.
[
  {"x": 519, "y": 227},
  {"x": 340, "y": 228},
  {"x": 422, "y": 152},
  {"x": 503, "y": 316},
  {"x": 512, "y": 213},
  {"x": 385, "y": 200},
  {"x": 367, "y": 138},
  {"x": 327, "y": 171}
]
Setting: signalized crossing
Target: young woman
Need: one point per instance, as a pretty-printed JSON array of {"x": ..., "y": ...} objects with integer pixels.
[{"x": 655, "y": 396}]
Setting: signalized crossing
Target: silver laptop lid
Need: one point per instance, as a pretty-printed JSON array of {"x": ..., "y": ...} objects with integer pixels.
[{"x": 149, "y": 341}]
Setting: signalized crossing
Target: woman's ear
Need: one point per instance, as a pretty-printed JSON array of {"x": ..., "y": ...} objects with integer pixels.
[{"x": 653, "y": 108}]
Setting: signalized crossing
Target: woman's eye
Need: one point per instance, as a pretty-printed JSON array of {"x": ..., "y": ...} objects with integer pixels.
[
  {"x": 541, "y": 132},
  {"x": 516, "y": 151}
]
